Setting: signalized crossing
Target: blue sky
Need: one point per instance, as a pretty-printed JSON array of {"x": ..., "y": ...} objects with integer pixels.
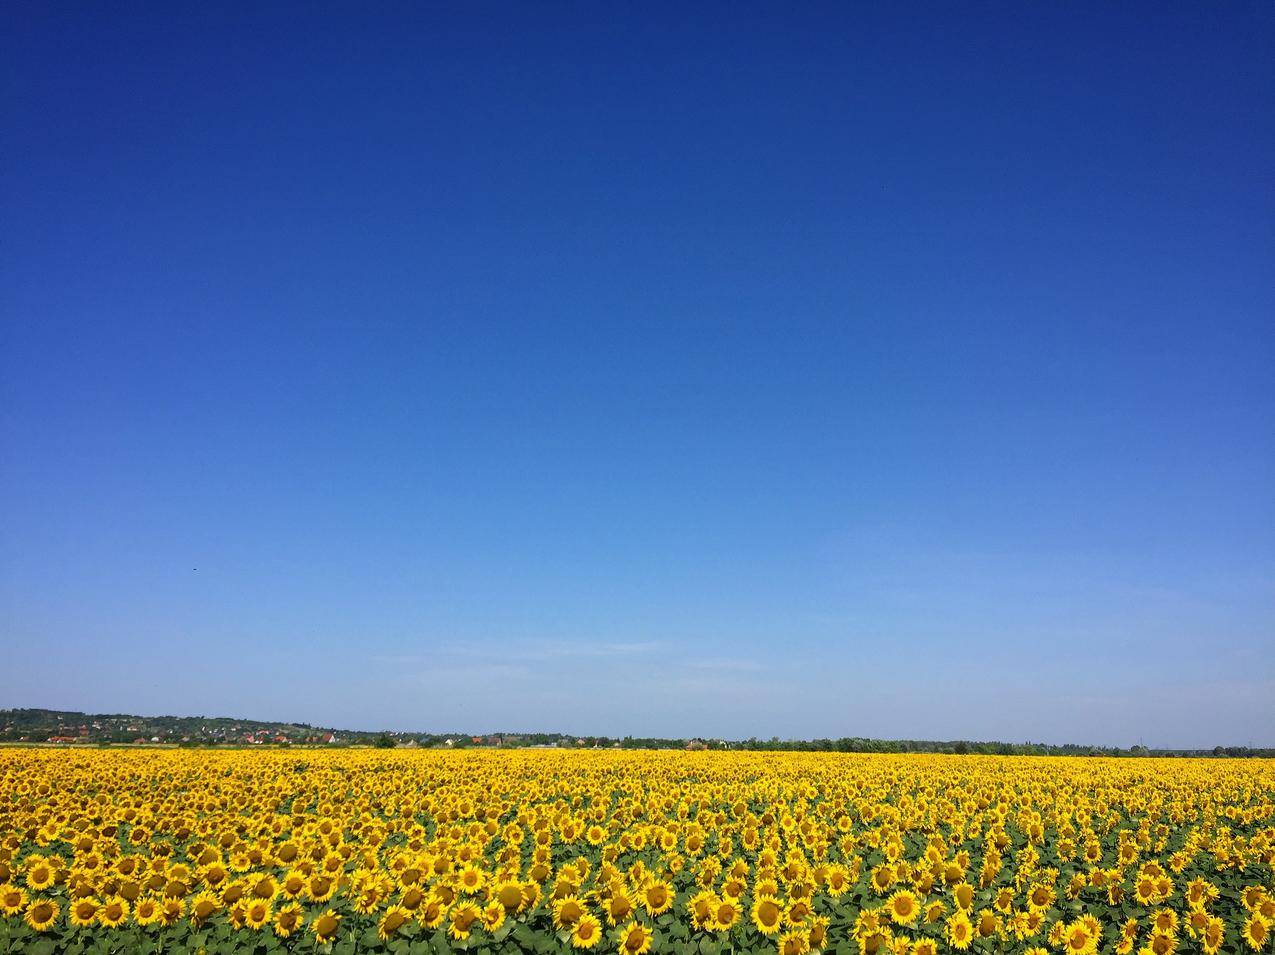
[{"x": 893, "y": 370}]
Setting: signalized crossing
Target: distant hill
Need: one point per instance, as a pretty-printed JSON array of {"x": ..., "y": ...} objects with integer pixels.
[
  {"x": 35, "y": 725},
  {"x": 71, "y": 726}
]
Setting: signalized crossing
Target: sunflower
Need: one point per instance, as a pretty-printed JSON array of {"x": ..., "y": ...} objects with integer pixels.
[
  {"x": 699, "y": 907},
  {"x": 767, "y": 914},
  {"x": 263, "y": 887},
  {"x": 333, "y": 863},
  {"x": 395, "y": 917},
  {"x": 1164, "y": 922},
  {"x": 1004, "y": 901},
  {"x": 567, "y": 910},
  {"x": 433, "y": 912},
  {"x": 462, "y": 918},
  {"x": 41, "y": 914},
  {"x": 618, "y": 907},
  {"x": 114, "y": 912},
  {"x": 171, "y": 911},
  {"x": 1079, "y": 939},
  {"x": 867, "y": 922},
  {"x": 1145, "y": 891},
  {"x": 325, "y": 926},
  {"x": 1092, "y": 924},
  {"x": 797, "y": 912},
  {"x": 1040, "y": 897},
  {"x": 293, "y": 883},
  {"x": 493, "y": 915},
  {"x": 883, "y": 878},
  {"x": 959, "y": 930},
  {"x": 926, "y": 946},
  {"x": 146, "y": 912},
  {"x": 904, "y": 907},
  {"x": 1026, "y": 924},
  {"x": 793, "y": 942},
  {"x": 634, "y": 939},
  {"x": 963, "y": 894},
  {"x": 657, "y": 897},
  {"x": 83, "y": 911},
  {"x": 41, "y": 874},
  {"x": 320, "y": 888},
  {"x": 509, "y": 894},
  {"x": 988, "y": 923},
  {"x": 367, "y": 899},
  {"x": 1057, "y": 934},
  {"x": 530, "y": 895},
  {"x": 212, "y": 874},
  {"x": 203, "y": 906},
  {"x": 232, "y": 892},
  {"x": 586, "y": 932},
  {"x": 471, "y": 879},
  {"x": 411, "y": 898},
  {"x": 445, "y": 893},
  {"x": 257, "y": 914},
  {"x": 1213, "y": 935},
  {"x": 288, "y": 919},
  {"x": 817, "y": 932},
  {"x": 1195, "y": 891},
  {"x": 1196, "y": 921},
  {"x": 12, "y": 899},
  {"x": 723, "y": 915},
  {"x": 1255, "y": 932}
]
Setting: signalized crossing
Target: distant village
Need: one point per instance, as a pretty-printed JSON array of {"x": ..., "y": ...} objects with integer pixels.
[{"x": 66, "y": 728}]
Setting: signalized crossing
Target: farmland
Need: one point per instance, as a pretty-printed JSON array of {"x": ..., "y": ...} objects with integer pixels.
[{"x": 704, "y": 853}]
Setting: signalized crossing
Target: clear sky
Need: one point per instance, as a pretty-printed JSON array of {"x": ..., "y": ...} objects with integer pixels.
[{"x": 899, "y": 370}]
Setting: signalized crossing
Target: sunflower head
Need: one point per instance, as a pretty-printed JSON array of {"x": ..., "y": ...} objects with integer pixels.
[
  {"x": 325, "y": 926},
  {"x": 586, "y": 932},
  {"x": 41, "y": 914},
  {"x": 1255, "y": 932},
  {"x": 904, "y": 907},
  {"x": 635, "y": 939}
]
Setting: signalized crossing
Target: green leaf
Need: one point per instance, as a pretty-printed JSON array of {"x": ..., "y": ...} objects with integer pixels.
[
  {"x": 524, "y": 935},
  {"x": 440, "y": 942}
]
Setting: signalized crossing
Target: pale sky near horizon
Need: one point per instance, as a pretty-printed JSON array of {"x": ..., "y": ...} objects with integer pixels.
[{"x": 740, "y": 369}]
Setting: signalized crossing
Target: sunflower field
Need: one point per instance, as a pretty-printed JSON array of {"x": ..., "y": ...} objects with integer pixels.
[{"x": 555, "y": 852}]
